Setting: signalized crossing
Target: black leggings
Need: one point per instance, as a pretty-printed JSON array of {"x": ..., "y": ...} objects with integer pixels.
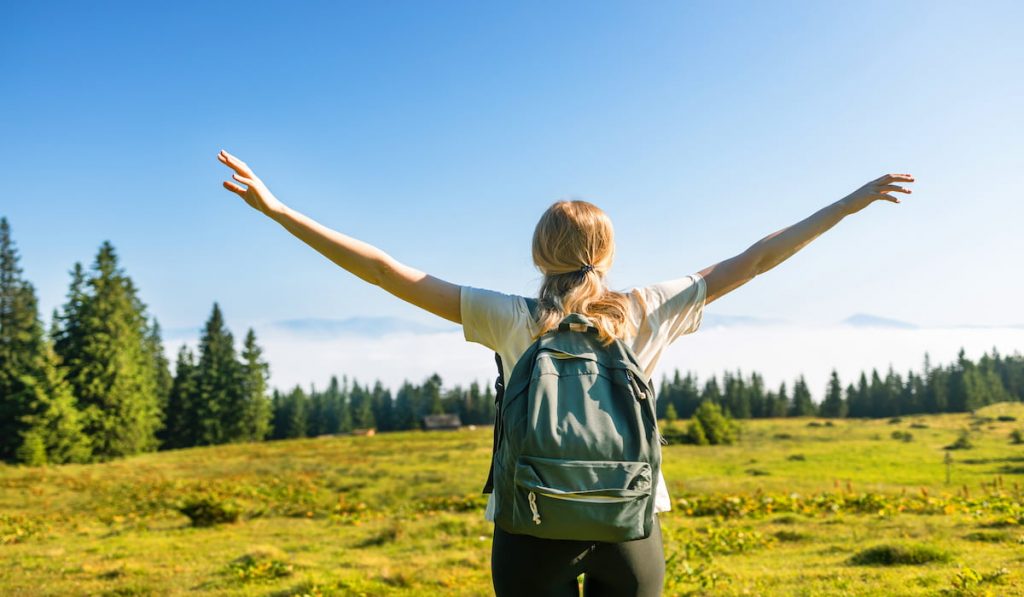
[{"x": 527, "y": 566}]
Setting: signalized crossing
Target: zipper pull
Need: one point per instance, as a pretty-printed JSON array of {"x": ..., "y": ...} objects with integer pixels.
[
  {"x": 640, "y": 395},
  {"x": 533, "y": 508}
]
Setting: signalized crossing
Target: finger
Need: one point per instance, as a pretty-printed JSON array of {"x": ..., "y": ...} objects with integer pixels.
[
  {"x": 244, "y": 180},
  {"x": 888, "y": 178},
  {"x": 234, "y": 188},
  {"x": 235, "y": 163},
  {"x": 893, "y": 189}
]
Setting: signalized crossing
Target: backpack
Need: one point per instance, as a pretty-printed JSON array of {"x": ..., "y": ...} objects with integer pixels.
[{"x": 576, "y": 449}]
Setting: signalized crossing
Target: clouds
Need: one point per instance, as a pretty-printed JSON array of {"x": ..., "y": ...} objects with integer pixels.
[{"x": 778, "y": 351}]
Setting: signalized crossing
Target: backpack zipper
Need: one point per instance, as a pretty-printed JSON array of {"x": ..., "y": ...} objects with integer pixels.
[{"x": 641, "y": 395}]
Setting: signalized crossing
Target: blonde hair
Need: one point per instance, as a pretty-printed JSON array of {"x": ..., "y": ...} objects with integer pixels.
[{"x": 570, "y": 236}]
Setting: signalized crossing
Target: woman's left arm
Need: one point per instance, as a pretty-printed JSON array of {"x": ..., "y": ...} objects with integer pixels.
[
  {"x": 362, "y": 259},
  {"x": 728, "y": 275}
]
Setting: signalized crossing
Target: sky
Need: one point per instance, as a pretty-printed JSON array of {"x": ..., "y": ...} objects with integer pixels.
[{"x": 440, "y": 132}]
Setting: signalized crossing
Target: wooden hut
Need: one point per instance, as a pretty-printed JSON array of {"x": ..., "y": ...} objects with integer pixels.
[{"x": 435, "y": 422}]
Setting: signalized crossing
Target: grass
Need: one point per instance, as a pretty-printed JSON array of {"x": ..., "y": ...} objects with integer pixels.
[{"x": 791, "y": 509}]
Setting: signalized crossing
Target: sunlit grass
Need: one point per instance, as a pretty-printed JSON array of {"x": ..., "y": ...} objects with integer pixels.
[{"x": 783, "y": 512}]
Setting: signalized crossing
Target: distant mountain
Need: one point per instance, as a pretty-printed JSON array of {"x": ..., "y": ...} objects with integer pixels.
[
  {"x": 863, "y": 320},
  {"x": 357, "y": 326}
]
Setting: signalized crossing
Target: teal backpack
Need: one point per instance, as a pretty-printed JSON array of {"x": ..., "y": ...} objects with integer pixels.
[{"x": 577, "y": 450}]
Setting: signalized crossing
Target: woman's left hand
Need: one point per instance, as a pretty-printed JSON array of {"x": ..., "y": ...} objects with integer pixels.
[{"x": 875, "y": 190}]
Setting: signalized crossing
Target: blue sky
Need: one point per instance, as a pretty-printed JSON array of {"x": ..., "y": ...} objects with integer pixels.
[{"x": 440, "y": 131}]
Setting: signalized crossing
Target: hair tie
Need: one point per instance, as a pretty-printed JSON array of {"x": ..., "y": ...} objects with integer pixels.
[{"x": 586, "y": 269}]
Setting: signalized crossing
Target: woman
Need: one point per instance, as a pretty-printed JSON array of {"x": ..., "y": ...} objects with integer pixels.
[{"x": 573, "y": 246}]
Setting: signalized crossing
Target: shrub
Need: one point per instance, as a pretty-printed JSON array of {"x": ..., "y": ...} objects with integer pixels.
[
  {"x": 717, "y": 427},
  {"x": 963, "y": 442},
  {"x": 798, "y": 457},
  {"x": 895, "y": 420},
  {"x": 900, "y": 554},
  {"x": 1017, "y": 436},
  {"x": 674, "y": 435},
  {"x": 919, "y": 425},
  {"x": 903, "y": 435},
  {"x": 695, "y": 434},
  {"x": 207, "y": 509},
  {"x": 791, "y": 536},
  {"x": 1006, "y": 418}
]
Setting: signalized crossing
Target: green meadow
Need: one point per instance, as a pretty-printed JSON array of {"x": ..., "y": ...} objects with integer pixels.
[{"x": 797, "y": 507}]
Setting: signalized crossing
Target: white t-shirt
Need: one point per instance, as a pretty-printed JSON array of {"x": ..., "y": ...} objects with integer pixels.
[{"x": 502, "y": 322}]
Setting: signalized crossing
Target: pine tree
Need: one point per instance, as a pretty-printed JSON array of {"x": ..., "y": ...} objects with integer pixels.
[
  {"x": 255, "y": 375},
  {"x": 181, "y": 425},
  {"x": 161, "y": 367},
  {"x": 802, "y": 405},
  {"x": 757, "y": 395},
  {"x": 711, "y": 392},
  {"x": 851, "y": 399},
  {"x": 860, "y": 400},
  {"x": 432, "y": 396},
  {"x": 893, "y": 386},
  {"x": 53, "y": 432},
  {"x": 780, "y": 406},
  {"x": 291, "y": 410},
  {"x": 958, "y": 399},
  {"x": 67, "y": 333},
  {"x": 102, "y": 341},
  {"x": 383, "y": 407},
  {"x": 39, "y": 421},
  {"x": 344, "y": 406},
  {"x": 219, "y": 405},
  {"x": 833, "y": 406},
  {"x": 406, "y": 406},
  {"x": 361, "y": 406}
]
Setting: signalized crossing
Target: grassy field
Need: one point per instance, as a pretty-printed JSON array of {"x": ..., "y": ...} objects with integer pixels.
[{"x": 798, "y": 507}]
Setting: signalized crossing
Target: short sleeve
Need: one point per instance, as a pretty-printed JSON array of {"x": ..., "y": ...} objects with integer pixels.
[
  {"x": 676, "y": 307},
  {"x": 489, "y": 317}
]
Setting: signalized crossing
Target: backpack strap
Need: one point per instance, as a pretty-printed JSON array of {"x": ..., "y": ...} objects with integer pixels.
[{"x": 532, "y": 306}]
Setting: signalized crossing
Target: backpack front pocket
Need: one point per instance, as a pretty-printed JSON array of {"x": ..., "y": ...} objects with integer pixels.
[{"x": 596, "y": 500}]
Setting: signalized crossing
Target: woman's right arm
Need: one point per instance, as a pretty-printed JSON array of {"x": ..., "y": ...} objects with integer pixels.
[
  {"x": 730, "y": 274},
  {"x": 362, "y": 259}
]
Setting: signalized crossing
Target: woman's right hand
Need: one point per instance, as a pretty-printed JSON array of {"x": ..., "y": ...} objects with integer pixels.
[
  {"x": 257, "y": 194},
  {"x": 875, "y": 190}
]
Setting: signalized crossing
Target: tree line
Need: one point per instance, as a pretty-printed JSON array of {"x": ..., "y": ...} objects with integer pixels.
[
  {"x": 961, "y": 386},
  {"x": 98, "y": 386}
]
